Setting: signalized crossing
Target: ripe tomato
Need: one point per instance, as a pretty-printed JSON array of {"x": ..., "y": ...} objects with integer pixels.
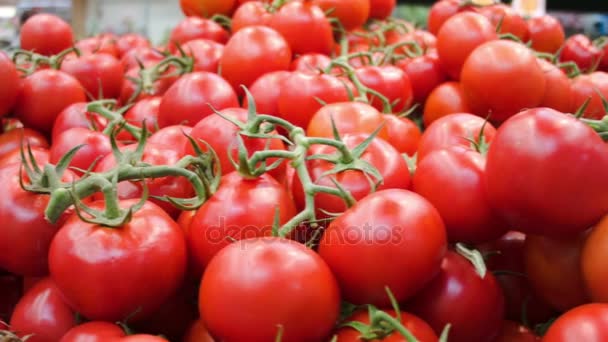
[
  {"x": 171, "y": 136},
  {"x": 493, "y": 65},
  {"x": 589, "y": 87},
  {"x": 515, "y": 332},
  {"x": 99, "y": 44},
  {"x": 145, "y": 55},
  {"x": 95, "y": 145},
  {"x": 142, "y": 338},
  {"x": 266, "y": 92},
  {"x": 43, "y": 95},
  {"x": 76, "y": 115},
  {"x": 100, "y": 74},
  {"x": 389, "y": 81},
  {"x": 11, "y": 141},
  {"x": 254, "y": 272},
  {"x": 131, "y": 41},
  {"x": 9, "y": 82},
  {"x": 425, "y": 74},
  {"x": 96, "y": 331},
  {"x": 190, "y": 99},
  {"x": 459, "y": 295},
  {"x": 206, "y": 54},
  {"x": 419, "y": 328},
  {"x": 46, "y": 34},
  {"x": 351, "y": 14},
  {"x": 592, "y": 260},
  {"x": 403, "y": 134},
  {"x": 251, "y": 13},
  {"x": 158, "y": 87},
  {"x": 453, "y": 130},
  {"x": 583, "y": 323},
  {"x": 580, "y": 50},
  {"x": 509, "y": 20},
  {"x": 43, "y": 313},
  {"x": 198, "y": 333},
  {"x": 558, "y": 88},
  {"x": 304, "y": 26},
  {"x": 440, "y": 12},
  {"x": 380, "y": 9},
  {"x": 546, "y": 33},
  {"x": 142, "y": 250},
  {"x": 144, "y": 110},
  {"x": 206, "y": 8},
  {"x": 349, "y": 118},
  {"x": 253, "y": 52},
  {"x": 521, "y": 181},
  {"x": 311, "y": 63},
  {"x": 448, "y": 98},
  {"x": 192, "y": 28},
  {"x": 391, "y": 224},
  {"x": 459, "y": 36},
  {"x": 41, "y": 155}
]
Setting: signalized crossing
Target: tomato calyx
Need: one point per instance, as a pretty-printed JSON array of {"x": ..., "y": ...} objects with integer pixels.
[
  {"x": 8, "y": 336},
  {"x": 474, "y": 257},
  {"x": 116, "y": 118},
  {"x": 27, "y": 61},
  {"x": 600, "y": 126}
]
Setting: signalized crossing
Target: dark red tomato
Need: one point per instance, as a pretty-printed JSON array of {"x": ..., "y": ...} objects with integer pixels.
[
  {"x": 251, "y": 13},
  {"x": 266, "y": 92},
  {"x": 349, "y": 118},
  {"x": 381, "y": 9},
  {"x": 448, "y": 98},
  {"x": 453, "y": 130},
  {"x": 583, "y": 323},
  {"x": 9, "y": 83},
  {"x": 509, "y": 20},
  {"x": 144, "y": 110},
  {"x": 12, "y": 290},
  {"x": 198, "y": 333},
  {"x": 171, "y": 136},
  {"x": 206, "y": 8},
  {"x": 206, "y": 54},
  {"x": 440, "y": 12},
  {"x": 96, "y": 331},
  {"x": 304, "y": 27},
  {"x": 191, "y": 28},
  {"x": 546, "y": 33},
  {"x": 452, "y": 179},
  {"x": 46, "y": 34},
  {"x": 419, "y": 328},
  {"x": 145, "y": 55},
  {"x": 492, "y": 66},
  {"x": 558, "y": 88},
  {"x": 590, "y": 86},
  {"x": 580, "y": 50},
  {"x": 312, "y": 63},
  {"x": 515, "y": 332},
  {"x": 253, "y": 52},
  {"x": 389, "y": 81},
  {"x": 459, "y": 36},
  {"x": 43, "y": 95},
  {"x": 130, "y": 41},
  {"x": 12, "y": 140},
  {"x": 100, "y": 74},
  {"x": 351, "y": 14},
  {"x": 95, "y": 146},
  {"x": 403, "y": 134},
  {"x": 254, "y": 272},
  {"x": 396, "y": 225},
  {"x": 425, "y": 74},
  {"x": 473, "y": 304},
  {"x": 43, "y": 313},
  {"x": 94, "y": 45},
  {"x": 192, "y": 97},
  {"x": 76, "y": 115},
  {"x": 592, "y": 259},
  {"x": 150, "y": 250},
  {"x": 251, "y": 214},
  {"x": 521, "y": 181},
  {"x": 300, "y": 94},
  {"x": 221, "y": 135}
]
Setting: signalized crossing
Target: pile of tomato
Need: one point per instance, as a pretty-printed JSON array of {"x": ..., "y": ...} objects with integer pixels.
[{"x": 306, "y": 171}]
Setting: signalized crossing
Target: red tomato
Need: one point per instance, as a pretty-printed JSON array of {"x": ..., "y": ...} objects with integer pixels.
[
  {"x": 9, "y": 83},
  {"x": 351, "y": 14},
  {"x": 43, "y": 313},
  {"x": 190, "y": 99},
  {"x": 459, "y": 295},
  {"x": 580, "y": 50},
  {"x": 198, "y": 333},
  {"x": 425, "y": 74},
  {"x": 100, "y": 74},
  {"x": 349, "y": 118},
  {"x": 43, "y": 95},
  {"x": 396, "y": 225},
  {"x": 590, "y": 87},
  {"x": 459, "y": 36},
  {"x": 448, "y": 98},
  {"x": 206, "y": 54},
  {"x": 380, "y": 9},
  {"x": 95, "y": 145},
  {"x": 95, "y": 45},
  {"x": 311, "y": 63},
  {"x": 254, "y": 272},
  {"x": 304, "y": 27},
  {"x": 41, "y": 155},
  {"x": 76, "y": 115},
  {"x": 171, "y": 136},
  {"x": 546, "y": 33},
  {"x": 515, "y": 332},
  {"x": 206, "y": 8},
  {"x": 96, "y": 331},
  {"x": 150, "y": 250},
  {"x": 144, "y": 110},
  {"x": 389, "y": 81},
  {"x": 440, "y": 12},
  {"x": 453, "y": 130},
  {"x": 145, "y": 55},
  {"x": 266, "y": 92},
  {"x": 157, "y": 88},
  {"x": 419, "y": 328},
  {"x": 521, "y": 181},
  {"x": 253, "y": 52},
  {"x": 592, "y": 259},
  {"x": 509, "y": 20},
  {"x": 583, "y": 323},
  {"x": 46, "y": 34},
  {"x": 131, "y": 41},
  {"x": 251, "y": 13},
  {"x": 191, "y": 28},
  {"x": 492, "y": 66},
  {"x": 11, "y": 140},
  {"x": 558, "y": 88},
  {"x": 403, "y": 134},
  {"x": 143, "y": 338}
]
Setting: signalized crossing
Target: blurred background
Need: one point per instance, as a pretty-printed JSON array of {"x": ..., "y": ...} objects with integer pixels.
[{"x": 154, "y": 18}]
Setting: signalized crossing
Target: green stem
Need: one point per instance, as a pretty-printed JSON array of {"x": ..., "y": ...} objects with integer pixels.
[{"x": 383, "y": 316}]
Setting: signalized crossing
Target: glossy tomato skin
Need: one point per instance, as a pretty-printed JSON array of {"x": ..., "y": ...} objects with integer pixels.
[
  {"x": 459, "y": 36},
  {"x": 474, "y": 305},
  {"x": 9, "y": 82},
  {"x": 197, "y": 332},
  {"x": 380, "y": 9},
  {"x": 11, "y": 140},
  {"x": 580, "y": 50},
  {"x": 419, "y": 328},
  {"x": 254, "y": 203},
  {"x": 191, "y": 28},
  {"x": 558, "y": 88},
  {"x": 46, "y": 34},
  {"x": 592, "y": 256},
  {"x": 495, "y": 64},
  {"x": 94, "y": 45},
  {"x": 96, "y": 331},
  {"x": 190, "y": 99},
  {"x": 43, "y": 95},
  {"x": 349, "y": 118},
  {"x": 447, "y": 98},
  {"x": 515, "y": 332},
  {"x": 145, "y": 55},
  {"x": 351, "y": 14},
  {"x": 546, "y": 33},
  {"x": 389, "y": 81},
  {"x": 509, "y": 20},
  {"x": 592, "y": 86},
  {"x": 266, "y": 91},
  {"x": 95, "y": 145},
  {"x": 171, "y": 136},
  {"x": 206, "y": 54},
  {"x": 43, "y": 312},
  {"x": 150, "y": 249},
  {"x": 425, "y": 74},
  {"x": 143, "y": 110},
  {"x": 440, "y": 12},
  {"x": 254, "y": 272},
  {"x": 253, "y": 52},
  {"x": 583, "y": 323},
  {"x": 130, "y": 41},
  {"x": 251, "y": 13},
  {"x": 311, "y": 63},
  {"x": 395, "y": 224},
  {"x": 100, "y": 74},
  {"x": 403, "y": 134},
  {"x": 520, "y": 173},
  {"x": 76, "y": 115},
  {"x": 206, "y": 8}
]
